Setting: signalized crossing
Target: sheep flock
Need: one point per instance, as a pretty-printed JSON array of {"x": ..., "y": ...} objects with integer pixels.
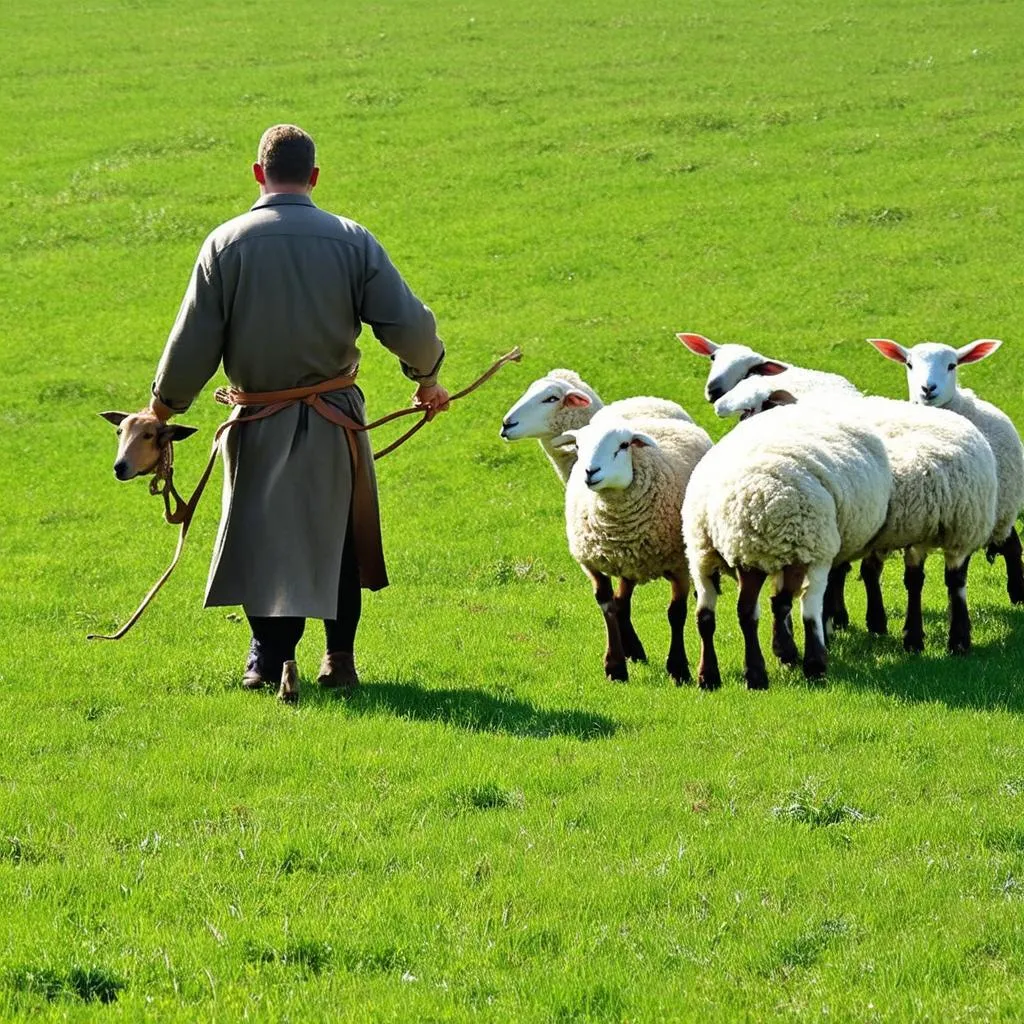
[{"x": 814, "y": 477}]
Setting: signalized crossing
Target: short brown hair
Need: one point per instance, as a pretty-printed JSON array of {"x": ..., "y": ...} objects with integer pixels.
[{"x": 287, "y": 154}]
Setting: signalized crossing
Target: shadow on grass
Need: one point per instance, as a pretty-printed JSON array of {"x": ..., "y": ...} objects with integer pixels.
[
  {"x": 991, "y": 677},
  {"x": 473, "y": 710}
]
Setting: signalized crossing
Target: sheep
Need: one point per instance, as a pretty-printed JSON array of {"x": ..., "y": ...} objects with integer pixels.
[
  {"x": 943, "y": 496},
  {"x": 788, "y": 497},
  {"x": 932, "y": 381},
  {"x": 732, "y": 363},
  {"x": 142, "y": 441},
  {"x": 561, "y": 401},
  {"x": 622, "y": 517}
]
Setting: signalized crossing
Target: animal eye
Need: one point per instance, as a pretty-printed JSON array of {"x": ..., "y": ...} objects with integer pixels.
[
  {"x": 910, "y": 365},
  {"x": 552, "y": 398},
  {"x": 148, "y": 436},
  {"x": 952, "y": 366},
  {"x": 623, "y": 446},
  {"x": 118, "y": 431}
]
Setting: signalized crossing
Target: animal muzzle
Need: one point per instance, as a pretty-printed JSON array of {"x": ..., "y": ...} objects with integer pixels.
[
  {"x": 927, "y": 392},
  {"x": 592, "y": 476},
  {"x": 508, "y": 425},
  {"x": 122, "y": 470},
  {"x": 714, "y": 392}
]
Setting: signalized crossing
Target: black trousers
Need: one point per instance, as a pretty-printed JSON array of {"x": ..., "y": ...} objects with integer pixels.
[{"x": 274, "y": 639}]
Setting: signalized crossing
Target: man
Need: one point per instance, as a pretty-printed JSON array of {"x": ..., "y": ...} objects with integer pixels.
[{"x": 278, "y": 295}]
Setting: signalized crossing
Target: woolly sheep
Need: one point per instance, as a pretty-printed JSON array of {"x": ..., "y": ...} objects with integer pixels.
[
  {"x": 622, "y": 514},
  {"x": 943, "y": 496},
  {"x": 786, "y": 495},
  {"x": 931, "y": 379},
  {"x": 732, "y": 363},
  {"x": 561, "y": 401}
]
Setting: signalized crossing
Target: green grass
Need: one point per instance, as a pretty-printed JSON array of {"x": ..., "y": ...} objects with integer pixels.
[{"x": 491, "y": 830}]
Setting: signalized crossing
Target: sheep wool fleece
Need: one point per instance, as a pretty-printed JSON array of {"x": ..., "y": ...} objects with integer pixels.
[
  {"x": 943, "y": 477},
  {"x": 279, "y": 295},
  {"x": 1004, "y": 440},
  {"x": 794, "y": 486},
  {"x": 636, "y": 532}
]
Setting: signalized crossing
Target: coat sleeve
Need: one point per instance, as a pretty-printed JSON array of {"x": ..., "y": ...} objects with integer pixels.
[
  {"x": 400, "y": 321},
  {"x": 196, "y": 343}
]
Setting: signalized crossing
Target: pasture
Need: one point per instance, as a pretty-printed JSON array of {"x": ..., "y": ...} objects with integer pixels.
[{"x": 491, "y": 830}]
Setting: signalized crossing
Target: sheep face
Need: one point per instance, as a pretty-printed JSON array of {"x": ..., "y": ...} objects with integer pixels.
[
  {"x": 931, "y": 368},
  {"x": 729, "y": 364},
  {"x": 533, "y": 414},
  {"x": 752, "y": 396},
  {"x": 605, "y": 456},
  {"x": 141, "y": 440}
]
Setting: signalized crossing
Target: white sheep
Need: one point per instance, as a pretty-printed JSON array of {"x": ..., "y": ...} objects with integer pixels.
[
  {"x": 561, "y": 401},
  {"x": 931, "y": 379},
  {"x": 943, "y": 496},
  {"x": 622, "y": 516},
  {"x": 732, "y": 363},
  {"x": 787, "y": 495}
]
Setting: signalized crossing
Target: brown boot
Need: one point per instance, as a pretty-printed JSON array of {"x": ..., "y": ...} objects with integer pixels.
[
  {"x": 289, "y": 692},
  {"x": 338, "y": 672},
  {"x": 252, "y": 680}
]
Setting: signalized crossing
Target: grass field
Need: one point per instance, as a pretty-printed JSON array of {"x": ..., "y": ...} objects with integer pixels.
[{"x": 491, "y": 830}]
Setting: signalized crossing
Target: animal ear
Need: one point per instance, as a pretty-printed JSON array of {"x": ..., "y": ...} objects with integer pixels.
[
  {"x": 889, "y": 349},
  {"x": 643, "y": 441},
  {"x": 174, "y": 432},
  {"x": 576, "y": 399},
  {"x": 976, "y": 350},
  {"x": 767, "y": 369},
  {"x": 114, "y": 417},
  {"x": 780, "y": 397},
  {"x": 698, "y": 344},
  {"x": 565, "y": 440}
]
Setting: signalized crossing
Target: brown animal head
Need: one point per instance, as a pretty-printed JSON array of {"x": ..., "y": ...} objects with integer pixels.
[{"x": 142, "y": 439}]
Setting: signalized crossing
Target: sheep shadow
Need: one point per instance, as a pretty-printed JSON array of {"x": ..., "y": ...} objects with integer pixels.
[
  {"x": 472, "y": 710},
  {"x": 990, "y": 678}
]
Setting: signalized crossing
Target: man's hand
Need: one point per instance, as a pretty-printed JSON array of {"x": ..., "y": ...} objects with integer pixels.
[
  {"x": 162, "y": 412},
  {"x": 432, "y": 398}
]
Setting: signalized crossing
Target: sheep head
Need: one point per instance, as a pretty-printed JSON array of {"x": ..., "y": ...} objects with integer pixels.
[{"x": 142, "y": 439}]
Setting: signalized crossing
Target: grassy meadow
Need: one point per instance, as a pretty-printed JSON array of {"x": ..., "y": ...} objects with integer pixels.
[{"x": 490, "y": 830}]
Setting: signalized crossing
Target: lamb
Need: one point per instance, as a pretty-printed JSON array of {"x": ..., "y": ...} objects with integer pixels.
[
  {"x": 732, "y": 363},
  {"x": 931, "y": 379},
  {"x": 622, "y": 515},
  {"x": 561, "y": 401},
  {"x": 787, "y": 495},
  {"x": 943, "y": 496}
]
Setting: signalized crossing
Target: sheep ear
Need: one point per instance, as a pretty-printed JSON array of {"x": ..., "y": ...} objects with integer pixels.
[
  {"x": 114, "y": 417},
  {"x": 767, "y": 369},
  {"x": 889, "y": 349},
  {"x": 175, "y": 432},
  {"x": 698, "y": 344},
  {"x": 643, "y": 441},
  {"x": 564, "y": 440},
  {"x": 781, "y": 397},
  {"x": 576, "y": 399},
  {"x": 976, "y": 351}
]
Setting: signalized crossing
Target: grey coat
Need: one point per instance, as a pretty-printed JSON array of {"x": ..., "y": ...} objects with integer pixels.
[{"x": 278, "y": 295}]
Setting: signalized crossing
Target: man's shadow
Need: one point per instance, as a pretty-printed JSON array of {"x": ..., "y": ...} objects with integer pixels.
[{"x": 472, "y": 710}]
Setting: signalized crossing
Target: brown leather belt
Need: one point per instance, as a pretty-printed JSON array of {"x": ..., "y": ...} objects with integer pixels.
[{"x": 268, "y": 403}]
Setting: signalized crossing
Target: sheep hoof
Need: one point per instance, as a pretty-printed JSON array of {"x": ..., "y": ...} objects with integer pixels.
[
  {"x": 757, "y": 678},
  {"x": 709, "y": 680},
  {"x": 879, "y": 627},
  {"x": 913, "y": 643},
  {"x": 679, "y": 671},
  {"x": 841, "y": 619},
  {"x": 959, "y": 647},
  {"x": 815, "y": 668},
  {"x": 616, "y": 672}
]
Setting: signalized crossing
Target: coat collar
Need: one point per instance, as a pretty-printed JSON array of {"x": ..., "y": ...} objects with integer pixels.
[{"x": 282, "y": 199}]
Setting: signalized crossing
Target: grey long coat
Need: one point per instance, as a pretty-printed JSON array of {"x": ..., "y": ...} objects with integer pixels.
[{"x": 278, "y": 294}]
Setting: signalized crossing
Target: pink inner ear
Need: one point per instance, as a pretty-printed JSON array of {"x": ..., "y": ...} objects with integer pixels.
[
  {"x": 889, "y": 349},
  {"x": 638, "y": 442},
  {"x": 769, "y": 369},
  {"x": 576, "y": 399},
  {"x": 698, "y": 344},
  {"x": 979, "y": 350}
]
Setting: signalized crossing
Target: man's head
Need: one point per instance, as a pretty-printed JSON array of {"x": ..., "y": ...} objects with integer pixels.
[{"x": 286, "y": 160}]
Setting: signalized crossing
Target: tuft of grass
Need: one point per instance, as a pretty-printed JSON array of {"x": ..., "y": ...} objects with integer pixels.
[{"x": 808, "y": 805}]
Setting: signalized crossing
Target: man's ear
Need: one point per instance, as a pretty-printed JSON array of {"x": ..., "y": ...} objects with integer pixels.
[
  {"x": 976, "y": 350},
  {"x": 174, "y": 432},
  {"x": 114, "y": 417},
  {"x": 576, "y": 399},
  {"x": 314, "y": 176},
  {"x": 767, "y": 369},
  {"x": 698, "y": 344},
  {"x": 889, "y": 349},
  {"x": 259, "y": 174}
]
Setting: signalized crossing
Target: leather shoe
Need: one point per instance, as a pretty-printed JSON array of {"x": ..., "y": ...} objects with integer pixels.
[{"x": 338, "y": 672}]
